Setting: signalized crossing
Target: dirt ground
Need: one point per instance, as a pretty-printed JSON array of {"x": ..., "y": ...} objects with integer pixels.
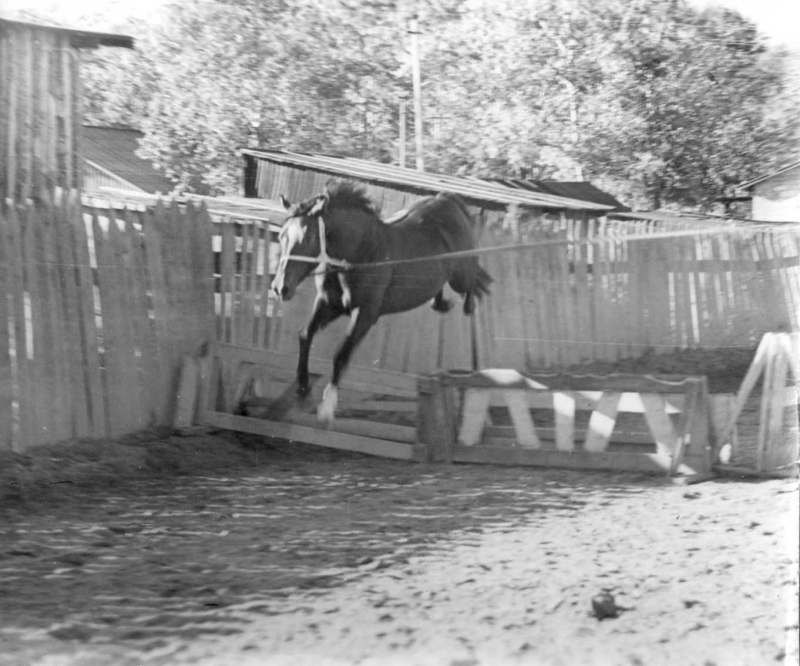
[{"x": 216, "y": 549}]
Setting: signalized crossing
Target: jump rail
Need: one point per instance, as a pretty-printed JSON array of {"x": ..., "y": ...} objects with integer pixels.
[{"x": 457, "y": 420}]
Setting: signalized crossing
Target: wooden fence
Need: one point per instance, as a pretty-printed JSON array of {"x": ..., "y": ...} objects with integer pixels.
[
  {"x": 97, "y": 309},
  {"x": 595, "y": 292},
  {"x": 99, "y": 306}
]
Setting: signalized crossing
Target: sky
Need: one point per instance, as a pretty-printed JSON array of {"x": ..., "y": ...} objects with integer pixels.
[{"x": 778, "y": 19}]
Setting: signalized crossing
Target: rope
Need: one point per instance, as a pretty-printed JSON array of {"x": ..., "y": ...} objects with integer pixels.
[{"x": 474, "y": 252}]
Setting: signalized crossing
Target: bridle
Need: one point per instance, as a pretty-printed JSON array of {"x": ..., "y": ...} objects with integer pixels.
[{"x": 324, "y": 260}]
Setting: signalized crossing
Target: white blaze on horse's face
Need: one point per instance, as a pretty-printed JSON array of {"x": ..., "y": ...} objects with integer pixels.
[{"x": 291, "y": 239}]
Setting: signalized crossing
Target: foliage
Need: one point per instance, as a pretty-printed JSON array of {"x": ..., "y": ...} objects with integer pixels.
[{"x": 667, "y": 104}]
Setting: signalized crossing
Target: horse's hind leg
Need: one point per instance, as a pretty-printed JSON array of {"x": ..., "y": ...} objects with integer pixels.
[{"x": 323, "y": 315}]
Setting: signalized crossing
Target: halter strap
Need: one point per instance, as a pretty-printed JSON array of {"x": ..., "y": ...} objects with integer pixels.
[{"x": 323, "y": 258}]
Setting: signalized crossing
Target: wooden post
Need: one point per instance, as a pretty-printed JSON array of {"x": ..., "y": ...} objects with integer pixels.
[{"x": 435, "y": 429}]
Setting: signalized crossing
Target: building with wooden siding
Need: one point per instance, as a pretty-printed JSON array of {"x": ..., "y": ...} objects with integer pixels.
[
  {"x": 41, "y": 110},
  {"x": 109, "y": 160},
  {"x": 271, "y": 173}
]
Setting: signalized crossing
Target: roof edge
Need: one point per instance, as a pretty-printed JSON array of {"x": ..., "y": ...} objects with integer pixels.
[
  {"x": 78, "y": 38},
  {"x": 482, "y": 190},
  {"x": 755, "y": 181}
]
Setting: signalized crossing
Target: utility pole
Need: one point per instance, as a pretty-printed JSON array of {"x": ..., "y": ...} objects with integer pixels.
[
  {"x": 417, "y": 83},
  {"x": 401, "y": 141}
]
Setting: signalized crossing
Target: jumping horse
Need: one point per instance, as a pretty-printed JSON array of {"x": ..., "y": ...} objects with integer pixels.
[{"x": 364, "y": 267}]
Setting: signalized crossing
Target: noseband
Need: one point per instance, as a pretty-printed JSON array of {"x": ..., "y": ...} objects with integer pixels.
[{"x": 324, "y": 260}]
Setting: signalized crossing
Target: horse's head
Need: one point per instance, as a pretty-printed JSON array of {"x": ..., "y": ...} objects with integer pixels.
[{"x": 300, "y": 247}]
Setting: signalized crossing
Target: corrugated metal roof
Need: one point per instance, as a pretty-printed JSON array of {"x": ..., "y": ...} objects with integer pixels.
[
  {"x": 582, "y": 190},
  {"x": 78, "y": 38},
  {"x": 114, "y": 150},
  {"x": 469, "y": 188},
  {"x": 755, "y": 181}
]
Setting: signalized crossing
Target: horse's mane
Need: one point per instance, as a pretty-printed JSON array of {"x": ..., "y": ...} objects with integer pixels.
[{"x": 350, "y": 195}]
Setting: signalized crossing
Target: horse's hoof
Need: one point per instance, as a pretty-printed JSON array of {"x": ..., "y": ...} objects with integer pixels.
[
  {"x": 302, "y": 391},
  {"x": 327, "y": 408},
  {"x": 442, "y": 305}
]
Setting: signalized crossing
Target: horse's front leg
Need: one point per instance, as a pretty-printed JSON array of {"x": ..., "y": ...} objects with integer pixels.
[
  {"x": 323, "y": 314},
  {"x": 361, "y": 321}
]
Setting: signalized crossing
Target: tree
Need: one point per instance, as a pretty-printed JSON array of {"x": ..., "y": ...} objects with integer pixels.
[{"x": 668, "y": 104}]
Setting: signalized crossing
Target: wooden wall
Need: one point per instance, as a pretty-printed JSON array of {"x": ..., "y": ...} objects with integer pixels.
[
  {"x": 618, "y": 296},
  {"x": 97, "y": 309},
  {"x": 40, "y": 111}
]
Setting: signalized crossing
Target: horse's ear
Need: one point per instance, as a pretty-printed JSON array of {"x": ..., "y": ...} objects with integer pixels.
[{"x": 286, "y": 203}]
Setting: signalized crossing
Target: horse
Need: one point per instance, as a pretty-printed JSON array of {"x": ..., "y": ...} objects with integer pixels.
[{"x": 364, "y": 267}]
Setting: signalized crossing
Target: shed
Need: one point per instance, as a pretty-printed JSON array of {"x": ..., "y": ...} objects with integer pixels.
[
  {"x": 109, "y": 160},
  {"x": 271, "y": 173},
  {"x": 775, "y": 197},
  {"x": 41, "y": 108}
]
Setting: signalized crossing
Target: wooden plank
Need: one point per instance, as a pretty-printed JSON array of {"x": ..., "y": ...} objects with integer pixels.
[
  {"x": 25, "y": 136},
  {"x": 564, "y": 407},
  {"x": 250, "y": 276},
  {"x": 697, "y": 444},
  {"x": 136, "y": 316},
  {"x": 507, "y": 378},
  {"x": 660, "y": 426},
  {"x": 20, "y": 361},
  {"x": 88, "y": 325},
  {"x": 67, "y": 109},
  {"x": 67, "y": 394},
  {"x": 582, "y": 302},
  {"x": 44, "y": 363},
  {"x": 757, "y": 367},
  {"x": 224, "y": 330},
  {"x": 602, "y": 422},
  {"x": 117, "y": 354},
  {"x": 547, "y": 435},
  {"x": 6, "y": 309},
  {"x": 13, "y": 105},
  {"x": 474, "y": 411},
  {"x": 519, "y": 410},
  {"x": 770, "y": 425},
  {"x": 388, "y": 431},
  {"x": 76, "y": 383},
  {"x": 146, "y": 339},
  {"x": 609, "y": 461},
  {"x": 300, "y": 433},
  {"x": 628, "y": 401}
]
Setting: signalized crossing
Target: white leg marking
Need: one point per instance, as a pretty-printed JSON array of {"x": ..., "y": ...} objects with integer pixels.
[
  {"x": 346, "y": 296},
  {"x": 327, "y": 408},
  {"x": 353, "y": 319}
]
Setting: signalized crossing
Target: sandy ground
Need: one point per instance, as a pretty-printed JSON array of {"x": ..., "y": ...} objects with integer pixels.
[{"x": 218, "y": 550}]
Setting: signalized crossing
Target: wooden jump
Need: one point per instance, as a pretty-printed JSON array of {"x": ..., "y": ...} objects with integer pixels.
[
  {"x": 491, "y": 416},
  {"x": 777, "y": 364},
  {"x": 458, "y": 408},
  {"x": 251, "y": 390}
]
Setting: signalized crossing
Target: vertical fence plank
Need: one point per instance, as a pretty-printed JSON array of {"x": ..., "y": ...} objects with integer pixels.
[
  {"x": 19, "y": 354},
  {"x": 157, "y": 281},
  {"x": 114, "y": 355},
  {"x": 6, "y": 305},
  {"x": 46, "y": 385},
  {"x": 75, "y": 374},
  {"x": 89, "y": 357}
]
